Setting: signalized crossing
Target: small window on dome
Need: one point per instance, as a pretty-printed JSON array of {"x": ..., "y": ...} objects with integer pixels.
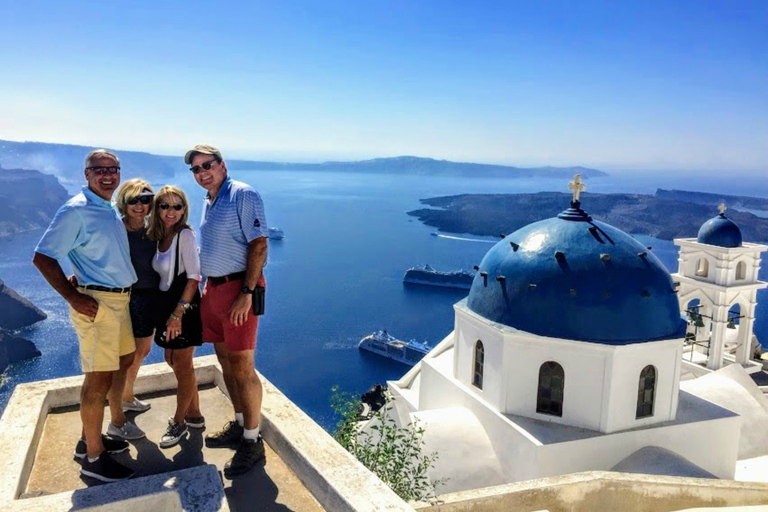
[
  {"x": 477, "y": 378},
  {"x": 646, "y": 391},
  {"x": 549, "y": 399},
  {"x": 741, "y": 271},
  {"x": 702, "y": 267}
]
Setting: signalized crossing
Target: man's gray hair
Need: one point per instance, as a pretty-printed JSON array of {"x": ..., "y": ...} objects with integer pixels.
[{"x": 99, "y": 153}]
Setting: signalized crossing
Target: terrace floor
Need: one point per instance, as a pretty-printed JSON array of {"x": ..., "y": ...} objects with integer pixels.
[{"x": 267, "y": 487}]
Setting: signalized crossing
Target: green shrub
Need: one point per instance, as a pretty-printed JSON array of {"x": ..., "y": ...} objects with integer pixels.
[{"x": 393, "y": 453}]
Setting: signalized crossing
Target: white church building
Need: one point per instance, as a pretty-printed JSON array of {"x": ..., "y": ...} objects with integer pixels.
[{"x": 566, "y": 356}]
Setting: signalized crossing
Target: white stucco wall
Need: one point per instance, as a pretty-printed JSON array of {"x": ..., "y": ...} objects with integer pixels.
[
  {"x": 469, "y": 329},
  {"x": 514, "y": 447},
  {"x": 601, "y": 381},
  {"x": 711, "y": 445},
  {"x": 584, "y": 367},
  {"x": 619, "y": 410}
]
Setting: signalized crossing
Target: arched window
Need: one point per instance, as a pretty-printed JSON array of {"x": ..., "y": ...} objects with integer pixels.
[
  {"x": 646, "y": 392},
  {"x": 734, "y": 315},
  {"x": 702, "y": 267},
  {"x": 741, "y": 270},
  {"x": 477, "y": 378},
  {"x": 549, "y": 399}
]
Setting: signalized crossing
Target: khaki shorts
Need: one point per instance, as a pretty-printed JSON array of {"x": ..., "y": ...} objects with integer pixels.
[{"x": 108, "y": 336}]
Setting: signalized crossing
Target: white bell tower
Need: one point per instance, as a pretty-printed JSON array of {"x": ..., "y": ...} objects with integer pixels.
[{"x": 717, "y": 276}]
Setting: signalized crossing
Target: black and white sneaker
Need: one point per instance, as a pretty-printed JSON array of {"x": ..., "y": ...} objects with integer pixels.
[
  {"x": 227, "y": 437},
  {"x": 248, "y": 454},
  {"x": 106, "y": 469},
  {"x": 111, "y": 445},
  {"x": 173, "y": 434},
  {"x": 195, "y": 421}
]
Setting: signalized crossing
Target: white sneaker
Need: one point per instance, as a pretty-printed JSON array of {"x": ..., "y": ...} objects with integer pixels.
[
  {"x": 173, "y": 434},
  {"x": 128, "y": 431},
  {"x": 136, "y": 405}
]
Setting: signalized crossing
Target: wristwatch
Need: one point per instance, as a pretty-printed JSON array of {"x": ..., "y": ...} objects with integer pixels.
[
  {"x": 246, "y": 290},
  {"x": 184, "y": 304}
]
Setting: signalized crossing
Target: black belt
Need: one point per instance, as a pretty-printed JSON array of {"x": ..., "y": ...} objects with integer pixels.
[
  {"x": 98, "y": 288},
  {"x": 230, "y": 277}
]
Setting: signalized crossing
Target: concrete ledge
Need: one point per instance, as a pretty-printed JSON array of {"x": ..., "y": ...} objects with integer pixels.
[
  {"x": 604, "y": 490},
  {"x": 335, "y": 478},
  {"x": 197, "y": 489}
]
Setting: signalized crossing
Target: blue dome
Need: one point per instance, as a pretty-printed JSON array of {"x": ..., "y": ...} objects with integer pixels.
[
  {"x": 575, "y": 278},
  {"x": 720, "y": 231}
]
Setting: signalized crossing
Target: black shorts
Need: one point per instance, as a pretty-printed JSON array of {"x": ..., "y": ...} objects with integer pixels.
[{"x": 144, "y": 307}]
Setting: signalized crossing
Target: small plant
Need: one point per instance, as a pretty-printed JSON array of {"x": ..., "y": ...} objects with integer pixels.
[{"x": 393, "y": 453}]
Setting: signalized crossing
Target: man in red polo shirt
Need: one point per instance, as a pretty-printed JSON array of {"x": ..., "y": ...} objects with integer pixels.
[{"x": 233, "y": 251}]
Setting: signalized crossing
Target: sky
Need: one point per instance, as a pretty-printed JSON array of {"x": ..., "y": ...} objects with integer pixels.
[{"x": 646, "y": 84}]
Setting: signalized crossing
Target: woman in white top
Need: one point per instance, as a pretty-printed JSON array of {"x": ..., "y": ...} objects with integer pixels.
[{"x": 179, "y": 329}]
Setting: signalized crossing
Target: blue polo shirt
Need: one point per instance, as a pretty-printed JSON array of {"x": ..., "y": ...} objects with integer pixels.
[
  {"x": 88, "y": 230},
  {"x": 230, "y": 222}
]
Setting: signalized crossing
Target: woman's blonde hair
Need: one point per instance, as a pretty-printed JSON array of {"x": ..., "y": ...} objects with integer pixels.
[
  {"x": 129, "y": 190},
  {"x": 156, "y": 230}
]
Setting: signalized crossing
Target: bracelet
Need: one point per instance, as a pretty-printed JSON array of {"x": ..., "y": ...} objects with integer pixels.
[
  {"x": 175, "y": 317},
  {"x": 184, "y": 304}
]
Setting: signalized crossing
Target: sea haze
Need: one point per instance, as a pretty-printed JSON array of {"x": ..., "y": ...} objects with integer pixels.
[{"x": 337, "y": 275}]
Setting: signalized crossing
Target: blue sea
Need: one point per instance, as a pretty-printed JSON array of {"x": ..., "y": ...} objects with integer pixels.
[{"x": 337, "y": 275}]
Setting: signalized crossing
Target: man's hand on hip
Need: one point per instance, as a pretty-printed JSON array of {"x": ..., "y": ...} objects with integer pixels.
[
  {"x": 84, "y": 304},
  {"x": 238, "y": 313}
]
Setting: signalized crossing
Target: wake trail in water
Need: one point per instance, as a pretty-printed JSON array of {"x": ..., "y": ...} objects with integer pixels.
[{"x": 466, "y": 239}]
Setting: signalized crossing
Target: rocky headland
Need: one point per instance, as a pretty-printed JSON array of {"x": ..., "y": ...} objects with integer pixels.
[
  {"x": 66, "y": 160},
  {"x": 28, "y": 200},
  {"x": 16, "y": 312},
  {"x": 662, "y": 215}
]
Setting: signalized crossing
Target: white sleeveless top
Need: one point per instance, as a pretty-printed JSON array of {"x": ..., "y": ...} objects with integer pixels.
[{"x": 189, "y": 260}]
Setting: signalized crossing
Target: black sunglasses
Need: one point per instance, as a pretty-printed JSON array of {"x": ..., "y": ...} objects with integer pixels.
[
  {"x": 103, "y": 171},
  {"x": 205, "y": 166},
  {"x": 139, "y": 199},
  {"x": 165, "y": 206}
]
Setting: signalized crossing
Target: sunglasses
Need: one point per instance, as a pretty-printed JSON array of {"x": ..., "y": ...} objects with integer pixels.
[
  {"x": 139, "y": 199},
  {"x": 104, "y": 171},
  {"x": 205, "y": 166},
  {"x": 165, "y": 206}
]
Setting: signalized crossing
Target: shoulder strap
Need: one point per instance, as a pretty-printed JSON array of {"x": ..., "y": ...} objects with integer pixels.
[{"x": 176, "y": 264}]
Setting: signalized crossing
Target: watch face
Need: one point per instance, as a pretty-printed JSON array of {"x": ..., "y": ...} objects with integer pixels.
[{"x": 245, "y": 289}]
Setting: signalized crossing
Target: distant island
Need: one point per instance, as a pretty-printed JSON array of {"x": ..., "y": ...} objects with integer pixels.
[
  {"x": 413, "y": 165},
  {"x": 709, "y": 198},
  {"x": 656, "y": 215},
  {"x": 28, "y": 200},
  {"x": 66, "y": 162}
]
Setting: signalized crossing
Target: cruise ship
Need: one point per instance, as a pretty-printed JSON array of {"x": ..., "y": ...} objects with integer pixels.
[
  {"x": 427, "y": 275},
  {"x": 384, "y": 344}
]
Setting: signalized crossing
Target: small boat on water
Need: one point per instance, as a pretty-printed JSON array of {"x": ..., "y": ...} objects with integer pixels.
[
  {"x": 275, "y": 234},
  {"x": 428, "y": 275},
  {"x": 384, "y": 344}
]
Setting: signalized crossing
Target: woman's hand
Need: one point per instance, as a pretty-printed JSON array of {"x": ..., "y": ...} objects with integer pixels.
[{"x": 172, "y": 328}]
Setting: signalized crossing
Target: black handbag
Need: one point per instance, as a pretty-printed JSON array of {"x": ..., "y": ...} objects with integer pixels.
[{"x": 191, "y": 324}]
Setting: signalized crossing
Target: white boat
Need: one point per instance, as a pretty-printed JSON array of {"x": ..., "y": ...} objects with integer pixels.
[
  {"x": 384, "y": 344},
  {"x": 275, "y": 234}
]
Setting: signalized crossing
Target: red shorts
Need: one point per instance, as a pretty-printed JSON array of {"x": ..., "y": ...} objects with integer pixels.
[{"x": 214, "y": 312}]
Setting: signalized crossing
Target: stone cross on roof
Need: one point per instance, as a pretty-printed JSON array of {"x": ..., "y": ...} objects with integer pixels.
[
  {"x": 577, "y": 186},
  {"x": 721, "y": 208}
]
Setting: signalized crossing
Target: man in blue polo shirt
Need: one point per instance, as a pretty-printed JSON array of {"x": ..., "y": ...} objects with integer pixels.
[
  {"x": 89, "y": 232},
  {"x": 233, "y": 251}
]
